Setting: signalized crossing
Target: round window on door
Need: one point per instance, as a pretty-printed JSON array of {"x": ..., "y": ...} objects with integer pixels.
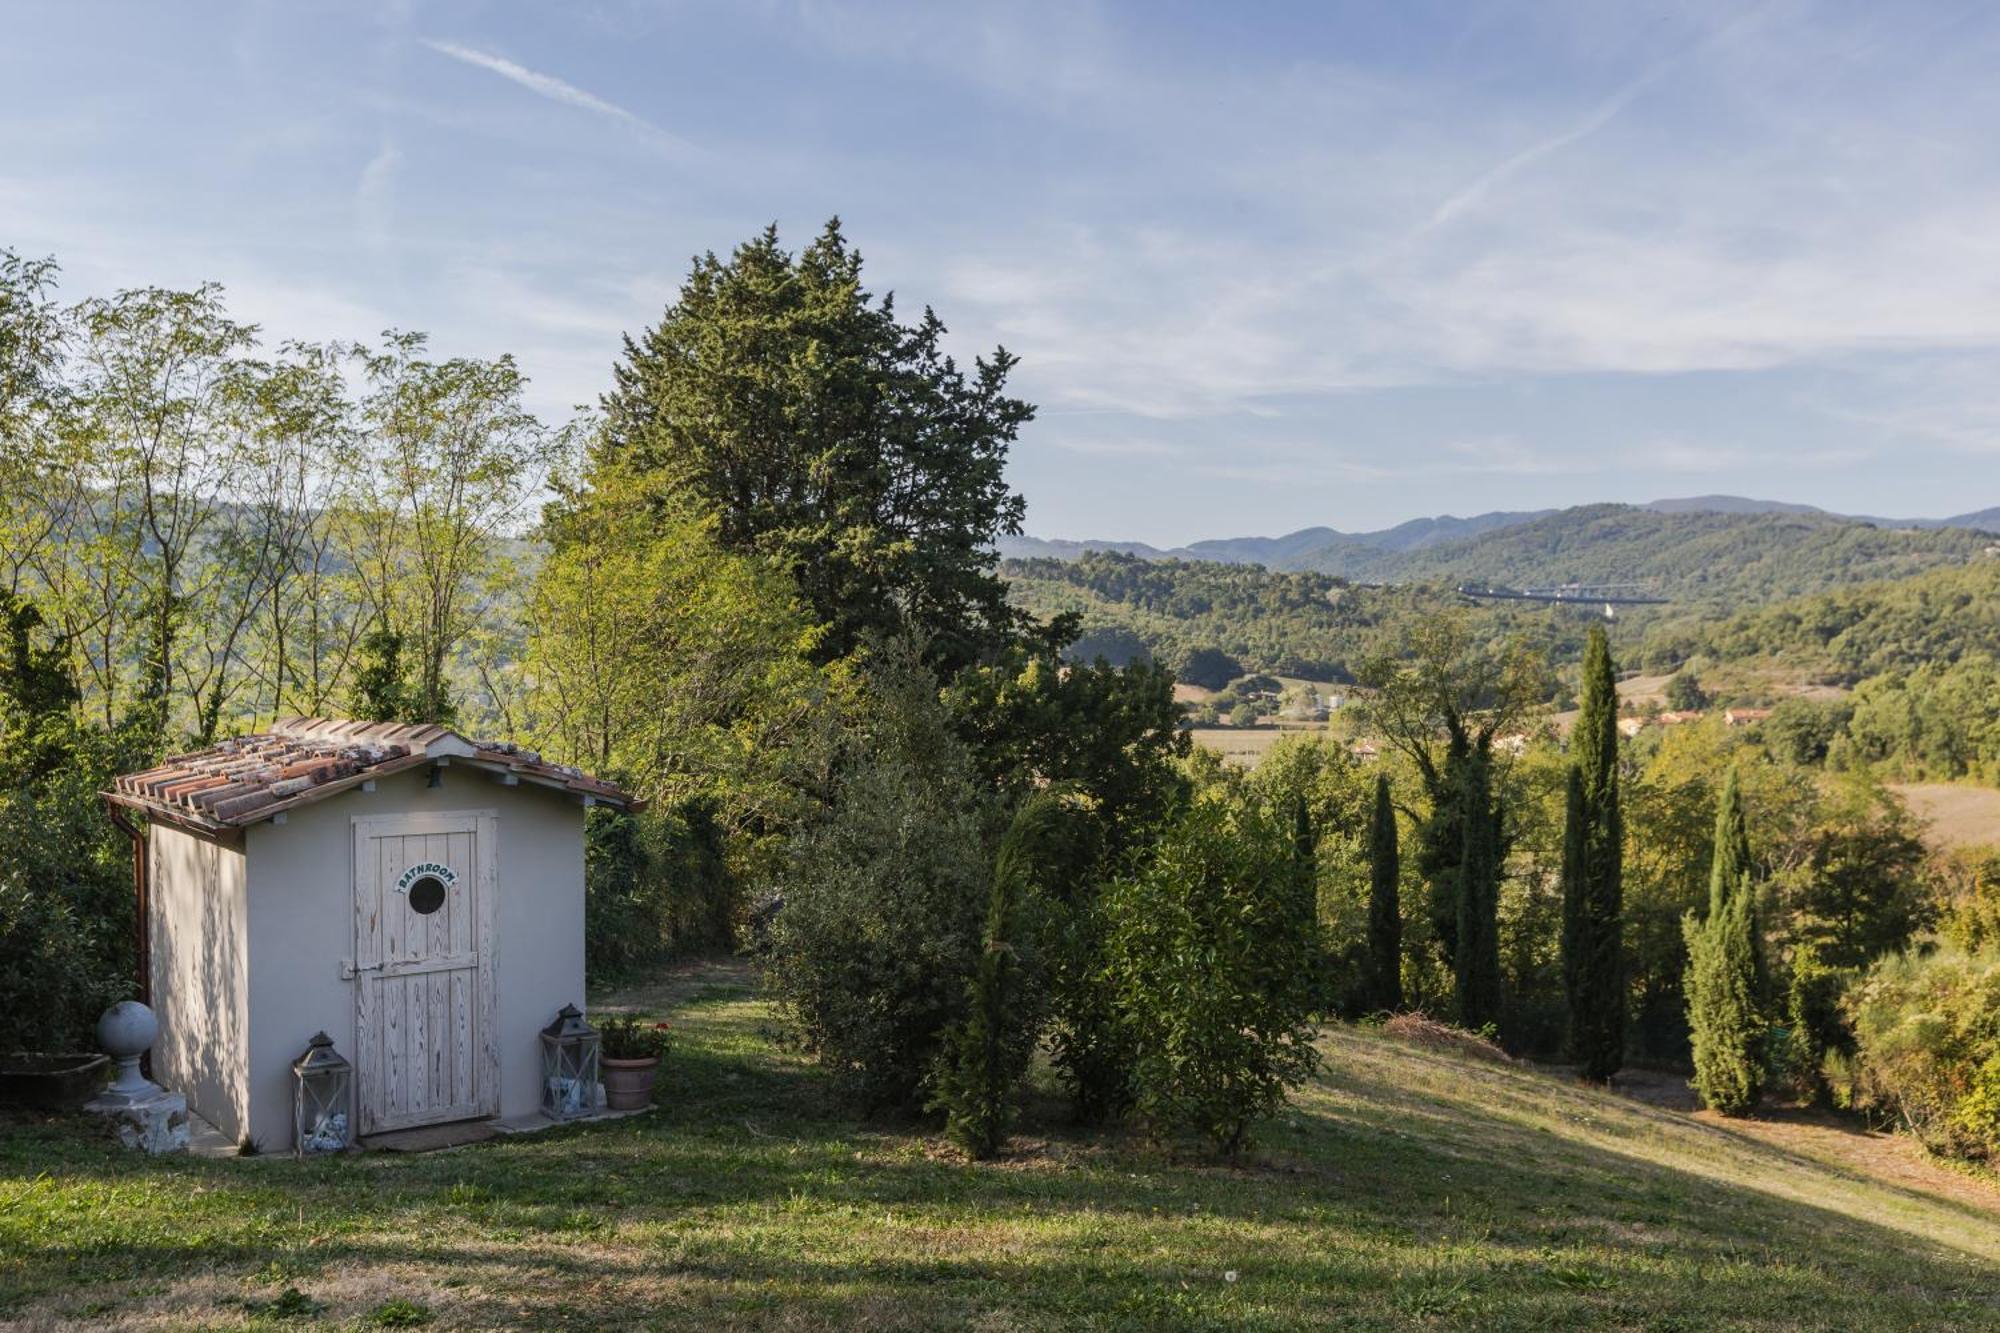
[{"x": 426, "y": 895}]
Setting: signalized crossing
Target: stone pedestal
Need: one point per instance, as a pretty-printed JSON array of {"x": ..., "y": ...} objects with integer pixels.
[
  {"x": 155, "y": 1124},
  {"x": 142, "y": 1114}
]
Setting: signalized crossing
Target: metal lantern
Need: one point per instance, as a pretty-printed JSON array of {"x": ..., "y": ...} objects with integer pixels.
[
  {"x": 569, "y": 1066},
  {"x": 322, "y": 1099}
]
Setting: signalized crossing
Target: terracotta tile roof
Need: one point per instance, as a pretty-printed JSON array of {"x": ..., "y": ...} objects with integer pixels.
[{"x": 304, "y": 759}]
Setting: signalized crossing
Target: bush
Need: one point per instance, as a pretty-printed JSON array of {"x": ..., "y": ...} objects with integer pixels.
[
  {"x": 1816, "y": 1030},
  {"x": 66, "y": 908},
  {"x": 989, "y": 1049},
  {"x": 1927, "y": 1047},
  {"x": 1210, "y": 967},
  {"x": 876, "y": 941},
  {"x": 657, "y": 885},
  {"x": 1210, "y": 668}
]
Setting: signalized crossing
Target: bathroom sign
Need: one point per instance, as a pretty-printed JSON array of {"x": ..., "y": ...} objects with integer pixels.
[{"x": 444, "y": 874}]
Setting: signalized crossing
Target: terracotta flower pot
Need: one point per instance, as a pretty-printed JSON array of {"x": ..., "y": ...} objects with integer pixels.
[{"x": 628, "y": 1084}]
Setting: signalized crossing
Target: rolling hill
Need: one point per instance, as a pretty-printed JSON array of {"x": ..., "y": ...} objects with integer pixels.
[{"x": 1374, "y": 554}]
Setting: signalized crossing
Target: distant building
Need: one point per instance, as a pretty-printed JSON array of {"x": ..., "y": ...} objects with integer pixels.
[
  {"x": 1743, "y": 717},
  {"x": 1365, "y": 751},
  {"x": 1628, "y": 727},
  {"x": 1679, "y": 716}
]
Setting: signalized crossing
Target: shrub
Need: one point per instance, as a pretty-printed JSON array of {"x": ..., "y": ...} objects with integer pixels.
[
  {"x": 989, "y": 1049},
  {"x": 1927, "y": 1047},
  {"x": 1210, "y": 668},
  {"x": 627, "y": 1037},
  {"x": 1815, "y": 1028},
  {"x": 657, "y": 884},
  {"x": 1210, "y": 965},
  {"x": 883, "y": 897},
  {"x": 66, "y": 909}
]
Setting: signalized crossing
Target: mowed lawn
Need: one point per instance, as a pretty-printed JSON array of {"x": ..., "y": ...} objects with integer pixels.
[{"x": 1405, "y": 1189}]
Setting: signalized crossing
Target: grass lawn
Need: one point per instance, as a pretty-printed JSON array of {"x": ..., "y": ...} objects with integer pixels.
[{"x": 1405, "y": 1188}]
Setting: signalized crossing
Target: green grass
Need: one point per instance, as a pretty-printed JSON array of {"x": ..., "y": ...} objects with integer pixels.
[{"x": 1406, "y": 1188}]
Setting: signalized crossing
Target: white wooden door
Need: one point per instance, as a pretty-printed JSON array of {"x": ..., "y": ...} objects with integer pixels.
[{"x": 423, "y": 966}]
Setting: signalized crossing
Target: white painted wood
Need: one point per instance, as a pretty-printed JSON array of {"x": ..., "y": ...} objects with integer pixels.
[{"x": 424, "y": 985}]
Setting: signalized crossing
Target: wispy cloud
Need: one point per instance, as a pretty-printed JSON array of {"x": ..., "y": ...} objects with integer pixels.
[{"x": 558, "y": 90}]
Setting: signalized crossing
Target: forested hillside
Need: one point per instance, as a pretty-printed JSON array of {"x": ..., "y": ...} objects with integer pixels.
[
  {"x": 1711, "y": 557},
  {"x": 1291, "y": 624},
  {"x": 1849, "y": 633}
]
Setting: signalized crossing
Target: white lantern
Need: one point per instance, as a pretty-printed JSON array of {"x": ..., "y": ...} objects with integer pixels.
[
  {"x": 569, "y": 1066},
  {"x": 323, "y": 1097}
]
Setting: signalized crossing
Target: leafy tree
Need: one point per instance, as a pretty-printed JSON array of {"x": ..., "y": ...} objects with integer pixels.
[
  {"x": 381, "y": 688},
  {"x": 1210, "y": 965},
  {"x": 883, "y": 898},
  {"x": 1210, "y": 668},
  {"x": 1385, "y": 920},
  {"x": 1477, "y": 973},
  {"x": 828, "y": 436},
  {"x": 1593, "y": 874},
  {"x": 1725, "y": 1004},
  {"x": 1684, "y": 691},
  {"x": 678, "y": 665},
  {"x": 446, "y": 464},
  {"x": 1440, "y": 704},
  {"x": 1110, "y": 736},
  {"x": 1857, "y": 888}
]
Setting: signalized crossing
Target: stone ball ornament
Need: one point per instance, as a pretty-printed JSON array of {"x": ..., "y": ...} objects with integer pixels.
[{"x": 127, "y": 1029}]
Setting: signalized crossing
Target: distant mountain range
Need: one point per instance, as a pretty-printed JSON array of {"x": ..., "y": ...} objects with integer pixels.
[{"x": 1386, "y": 553}]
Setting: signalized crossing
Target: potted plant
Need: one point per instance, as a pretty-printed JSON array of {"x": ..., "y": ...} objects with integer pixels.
[{"x": 629, "y": 1060}]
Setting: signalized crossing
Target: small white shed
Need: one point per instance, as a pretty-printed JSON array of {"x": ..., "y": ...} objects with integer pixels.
[{"x": 414, "y": 894}]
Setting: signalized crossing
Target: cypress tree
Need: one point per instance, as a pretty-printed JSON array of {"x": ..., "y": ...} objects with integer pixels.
[
  {"x": 987, "y": 1051},
  {"x": 1593, "y": 874},
  {"x": 1477, "y": 971},
  {"x": 1441, "y": 846},
  {"x": 1385, "y": 917},
  {"x": 1724, "y": 993}
]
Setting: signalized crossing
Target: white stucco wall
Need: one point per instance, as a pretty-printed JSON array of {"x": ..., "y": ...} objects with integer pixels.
[
  {"x": 301, "y": 928},
  {"x": 200, "y": 936}
]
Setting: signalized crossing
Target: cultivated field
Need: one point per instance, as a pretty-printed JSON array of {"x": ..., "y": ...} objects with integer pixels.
[
  {"x": 1405, "y": 1188},
  {"x": 1959, "y": 816}
]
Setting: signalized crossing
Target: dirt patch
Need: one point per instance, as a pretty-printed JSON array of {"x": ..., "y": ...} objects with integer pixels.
[
  {"x": 1958, "y": 816},
  {"x": 1431, "y": 1035}
]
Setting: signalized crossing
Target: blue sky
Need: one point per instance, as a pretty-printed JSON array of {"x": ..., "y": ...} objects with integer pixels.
[{"x": 1265, "y": 266}]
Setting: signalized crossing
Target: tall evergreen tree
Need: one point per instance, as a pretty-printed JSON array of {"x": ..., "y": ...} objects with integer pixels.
[
  {"x": 1593, "y": 873},
  {"x": 1385, "y": 916},
  {"x": 1725, "y": 1005},
  {"x": 823, "y": 432},
  {"x": 1477, "y": 974}
]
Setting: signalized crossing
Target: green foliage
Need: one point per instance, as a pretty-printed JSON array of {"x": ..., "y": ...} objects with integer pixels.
[
  {"x": 1684, "y": 691},
  {"x": 1210, "y": 668},
  {"x": 1858, "y": 887},
  {"x": 1941, "y": 720},
  {"x": 1693, "y": 557},
  {"x": 630, "y": 1037},
  {"x": 833, "y": 439},
  {"x": 1476, "y": 971},
  {"x": 1385, "y": 917},
  {"x": 381, "y": 691},
  {"x": 1210, "y": 962},
  {"x": 658, "y": 884},
  {"x": 1593, "y": 874},
  {"x": 988, "y": 1051},
  {"x": 879, "y": 931},
  {"x": 66, "y": 908},
  {"x": 1110, "y": 733},
  {"x": 1815, "y": 1026},
  {"x": 1724, "y": 979},
  {"x": 679, "y": 667},
  {"x": 1927, "y": 1047},
  {"x": 1851, "y": 633}
]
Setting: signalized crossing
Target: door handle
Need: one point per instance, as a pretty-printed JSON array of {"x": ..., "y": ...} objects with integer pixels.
[{"x": 348, "y": 971}]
